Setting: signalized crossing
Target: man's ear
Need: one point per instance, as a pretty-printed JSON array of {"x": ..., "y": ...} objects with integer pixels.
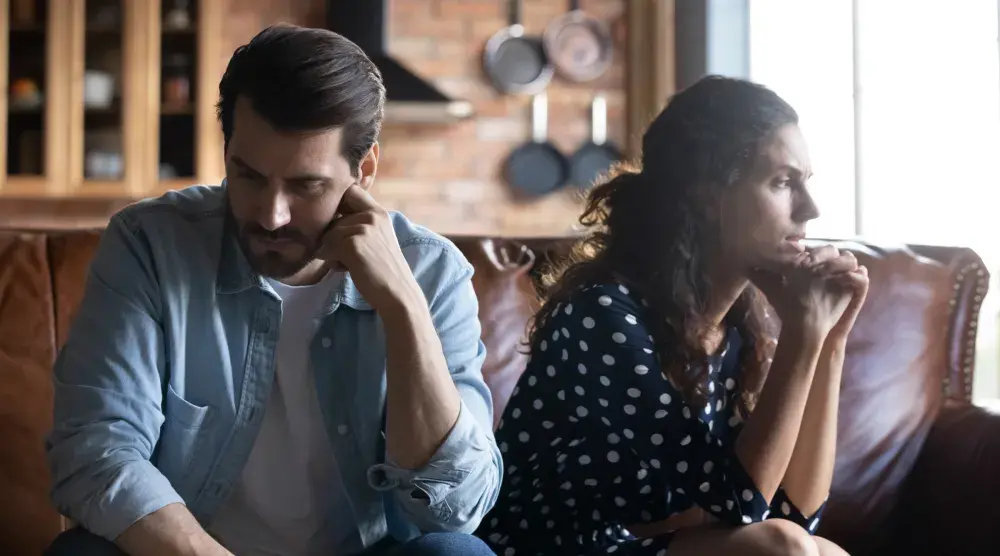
[{"x": 369, "y": 165}]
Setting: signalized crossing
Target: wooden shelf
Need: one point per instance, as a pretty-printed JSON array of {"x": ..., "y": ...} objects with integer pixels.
[
  {"x": 175, "y": 110},
  {"x": 139, "y": 125},
  {"x": 20, "y": 28}
]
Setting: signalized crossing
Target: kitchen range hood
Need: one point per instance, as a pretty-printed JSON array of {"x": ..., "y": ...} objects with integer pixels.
[{"x": 409, "y": 98}]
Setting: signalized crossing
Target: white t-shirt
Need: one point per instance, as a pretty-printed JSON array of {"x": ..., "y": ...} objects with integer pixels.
[{"x": 289, "y": 500}]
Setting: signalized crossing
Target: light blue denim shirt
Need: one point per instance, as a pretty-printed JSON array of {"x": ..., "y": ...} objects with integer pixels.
[{"x": 160, "y": 388}]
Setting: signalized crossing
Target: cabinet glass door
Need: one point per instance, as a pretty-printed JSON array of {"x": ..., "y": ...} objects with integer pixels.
[
  {"x": 107, "y": 101},
  {"x": 179, "y": 20},
  {"x": 30, "y": 97}
]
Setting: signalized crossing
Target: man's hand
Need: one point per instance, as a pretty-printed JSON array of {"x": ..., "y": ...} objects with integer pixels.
[{"x": 363, "y": 242}]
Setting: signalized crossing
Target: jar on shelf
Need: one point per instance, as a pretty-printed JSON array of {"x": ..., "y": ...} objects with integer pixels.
[
  {"x": 178, "y": 16},
  {"x": 177, "y": 81}
]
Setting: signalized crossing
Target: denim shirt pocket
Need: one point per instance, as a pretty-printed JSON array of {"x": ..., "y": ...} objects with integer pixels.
[{"x": 179, "y": 450}]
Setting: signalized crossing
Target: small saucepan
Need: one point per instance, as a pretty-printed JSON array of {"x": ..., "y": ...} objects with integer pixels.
[
  {"x": 537, "y": 167},
  {"x": 595, "y": 157},
  {"x": 577, "y": 45},
  {"x": 516, "y": 62}
]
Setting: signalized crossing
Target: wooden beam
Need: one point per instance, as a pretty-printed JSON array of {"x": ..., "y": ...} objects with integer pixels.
[
  {"x": 4, "y": 86},
  {"x": 651, "y": 65},
  {"x": 67, "y": 59},
  {"x": 209, "y": 158},
  {"x": 150, "y": 25}
]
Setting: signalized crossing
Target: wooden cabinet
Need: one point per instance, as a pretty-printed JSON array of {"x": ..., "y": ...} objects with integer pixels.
[{"x": 108, "y": 98}]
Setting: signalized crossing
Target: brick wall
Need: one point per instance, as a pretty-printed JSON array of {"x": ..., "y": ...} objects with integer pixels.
[{"x": 448, "y": 176}]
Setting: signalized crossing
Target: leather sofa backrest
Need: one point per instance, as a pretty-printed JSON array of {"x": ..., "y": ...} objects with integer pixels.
[
  {"x": 27, "y": 349},
  {"x": 910, "y": 349}
]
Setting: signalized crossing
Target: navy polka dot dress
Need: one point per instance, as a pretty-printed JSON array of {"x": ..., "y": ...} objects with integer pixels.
[{"x": 594, "y": 439}]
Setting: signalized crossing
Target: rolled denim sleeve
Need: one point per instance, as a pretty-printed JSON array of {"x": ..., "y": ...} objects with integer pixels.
[
  {"x": 460, "y": 483},
  {"x": 107, "y": 382}
]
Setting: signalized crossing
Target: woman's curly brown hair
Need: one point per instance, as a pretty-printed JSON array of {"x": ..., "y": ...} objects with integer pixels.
[{"x": 647, "y": 228}]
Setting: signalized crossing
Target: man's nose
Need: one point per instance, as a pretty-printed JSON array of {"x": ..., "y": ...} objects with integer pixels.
[{"x": 274, "y": 211}]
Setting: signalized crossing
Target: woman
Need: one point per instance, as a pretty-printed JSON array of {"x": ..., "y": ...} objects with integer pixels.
[{"x": 645, "y": 395}]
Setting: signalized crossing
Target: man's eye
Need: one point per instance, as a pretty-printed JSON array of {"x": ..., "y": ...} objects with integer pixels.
[{"x": 313, "y": 187}]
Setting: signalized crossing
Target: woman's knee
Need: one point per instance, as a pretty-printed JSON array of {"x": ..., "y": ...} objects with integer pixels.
[
  {"x": 773, "y": 537},
  {"x": 785, "y": 538}
]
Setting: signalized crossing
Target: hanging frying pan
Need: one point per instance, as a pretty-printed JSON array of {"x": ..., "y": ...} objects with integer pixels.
[
  {"x": 579, "y": 46},
  {"x": 537, "y": 167},
  {"x": 596, "y": 156},
  {"x": 516, "y": 62}
]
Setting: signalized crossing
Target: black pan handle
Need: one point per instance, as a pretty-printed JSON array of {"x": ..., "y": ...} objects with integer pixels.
[
  {"x": 540, "y": 118},
  {"x": 574, "y": 5},
  {"x": 514, "y": 12},
  {"x": 599, "y": 119}
]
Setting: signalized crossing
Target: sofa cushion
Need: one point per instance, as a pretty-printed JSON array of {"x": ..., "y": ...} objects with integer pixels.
[{"x": 27, "y": 520}]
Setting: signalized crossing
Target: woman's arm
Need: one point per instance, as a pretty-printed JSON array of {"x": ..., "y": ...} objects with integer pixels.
[
  {"x": 810, "y": 471},
  {"x": 766, "y": 444}
]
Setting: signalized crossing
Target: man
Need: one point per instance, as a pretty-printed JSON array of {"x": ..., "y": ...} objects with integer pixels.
[{"x": 277, "y": 366}]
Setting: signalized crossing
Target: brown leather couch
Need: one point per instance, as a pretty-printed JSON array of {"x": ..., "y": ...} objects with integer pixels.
[{"x": 918, "y": 467}]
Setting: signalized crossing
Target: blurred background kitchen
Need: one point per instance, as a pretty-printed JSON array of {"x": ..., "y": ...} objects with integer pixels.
[{"x": 502, "y": 112}]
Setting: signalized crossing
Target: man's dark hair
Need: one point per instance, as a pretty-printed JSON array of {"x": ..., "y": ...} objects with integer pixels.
[{"x": 304, "y": 79}]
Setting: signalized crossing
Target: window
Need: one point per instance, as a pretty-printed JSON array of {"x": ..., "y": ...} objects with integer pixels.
[{"x": 900, "y": 103}]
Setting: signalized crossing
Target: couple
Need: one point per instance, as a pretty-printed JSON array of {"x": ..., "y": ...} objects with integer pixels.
[{"x": 279, "y": 366}]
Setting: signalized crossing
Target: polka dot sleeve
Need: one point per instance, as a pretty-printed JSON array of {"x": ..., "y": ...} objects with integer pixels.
[
  {"x": 647, "y": 410},
  {"x": 782, "y": 507}
]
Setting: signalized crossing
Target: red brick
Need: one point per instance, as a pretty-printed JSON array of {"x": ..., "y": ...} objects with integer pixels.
[
  {"x": 427, "y": 26},
  {"x": 483, "y": 29},
  {"x": 450, "y": 9},
  {"x": 412, "y": 47}
]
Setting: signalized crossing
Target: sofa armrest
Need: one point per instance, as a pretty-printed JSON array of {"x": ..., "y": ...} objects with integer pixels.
[{"x": 949, "y": 503}]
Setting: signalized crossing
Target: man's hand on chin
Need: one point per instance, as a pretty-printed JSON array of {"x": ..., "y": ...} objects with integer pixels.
[{"x": 363, "y": 242}]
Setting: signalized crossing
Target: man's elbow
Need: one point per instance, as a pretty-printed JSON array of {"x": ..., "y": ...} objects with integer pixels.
[
  {"x": 460, "y": 507},
  {"x": 111, "y": 494}
]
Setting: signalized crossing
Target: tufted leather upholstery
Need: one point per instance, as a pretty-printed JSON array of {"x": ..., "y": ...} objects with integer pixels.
[{"x": 916, "y": 463}]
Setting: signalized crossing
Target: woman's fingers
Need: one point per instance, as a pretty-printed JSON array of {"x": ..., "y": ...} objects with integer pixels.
[
  {"x": 856, "y": 279},
  {"x": 844, "y": 262},
  {"x": 821, "y": 255}
]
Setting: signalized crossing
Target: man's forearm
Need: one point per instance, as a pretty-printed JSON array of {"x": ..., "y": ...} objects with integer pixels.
[
  {"x": 422, "y": 403},
  {"x": 810, "y": 471},
  {"x": 169, "y": 531}
]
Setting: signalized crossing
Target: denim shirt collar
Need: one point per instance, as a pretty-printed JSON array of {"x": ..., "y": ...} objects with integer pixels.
[{"x": 235, "y": 274}]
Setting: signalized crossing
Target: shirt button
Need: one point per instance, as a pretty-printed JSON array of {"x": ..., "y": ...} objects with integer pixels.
[
  {"x": 342, "y": 429},
  {"x": 326, "y": 342}
]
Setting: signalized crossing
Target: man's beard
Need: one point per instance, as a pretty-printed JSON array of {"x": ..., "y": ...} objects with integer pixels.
[{"x": 275, "y": 264}]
